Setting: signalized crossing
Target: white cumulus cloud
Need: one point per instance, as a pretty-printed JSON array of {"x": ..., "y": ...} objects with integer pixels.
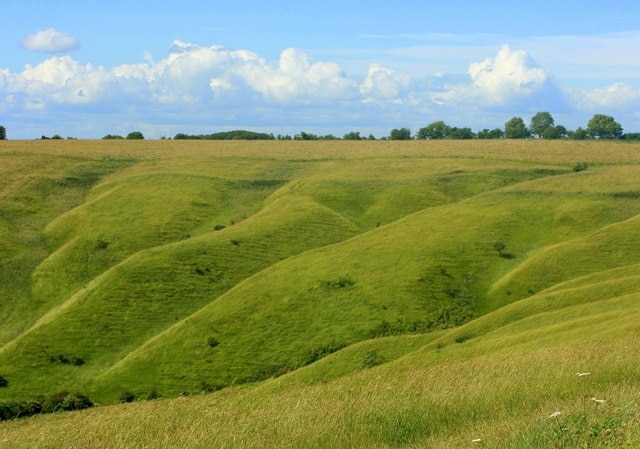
[
  {"x": 511, "y": 73},
  {"x": 60, "y": 80},
  {"x": 511, "y": 80},
  {"x": 189, "y": 75},
  {"x": 616, "y": 96},
  {"x": 298, "y": 79},
  {"x": 50, "y": 41},
  {"x": 385, "y": 84},
  {"x": 212, "y": 84}
]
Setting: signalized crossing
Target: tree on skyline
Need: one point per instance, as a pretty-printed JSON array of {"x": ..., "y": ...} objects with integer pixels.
[
  {"x": 400, "y": 134},
  {"x": 434, "y": 130},
  {"x": 461, "y": 133},
  {"x": 486, "y": 133},
  {"x": 604, "y": 127},
  {"x": 540, "y": 123},
  {"x": 579, "y": 134},
  {"x": 554, "y": 132},
  {"x": 352, "y": 135},
  {"x": 135, "y": 135},
  {"x": 516, "y": 129},
  {"x": 3, "y": 133}
]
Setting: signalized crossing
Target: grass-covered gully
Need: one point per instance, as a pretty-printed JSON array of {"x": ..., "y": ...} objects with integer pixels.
[{"x": 320, "y": 294}]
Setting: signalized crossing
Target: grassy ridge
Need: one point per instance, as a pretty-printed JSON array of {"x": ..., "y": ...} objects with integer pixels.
[
  {"x": 204, "y": 266},
  {"x": 34, "y": 190},
  {"x": 139, "y": 297},
  {"x": 138, "y": 213},
  {"x": 398, "y": 275},
  {"x": 114, "y": 280},
  {"x": 505, "y": 388}
]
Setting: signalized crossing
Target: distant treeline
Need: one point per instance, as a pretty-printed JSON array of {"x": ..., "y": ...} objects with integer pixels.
[
  {"x": 541, "y": 126},
  {"x": 238, "y": 134}
]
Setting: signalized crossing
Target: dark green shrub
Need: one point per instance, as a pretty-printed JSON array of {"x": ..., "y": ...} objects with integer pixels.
[
  {"x": 371, "y": 358},
  {"x": 322, "y": 351},
  {"x": 500, "y": 247},
  {"x": 58, "y": 401},
  {"x": 33, "y": 406},
  {"x": 76, "y": 401},
  {"x": 54, "y": 402},
  {"x": 212, "y": 342},
  {"x": 12, "y": 410},
  {"x": 342, "y": 282},
  {"x": 580, "y": 166},
  {"x": 444, "y": 318},
  {"x": 64, "y": 400},
  {"x": 633, "y": 195},
  {"x": 463, "y": 338},
  {"x": 5, "y": 411},
  {"x": 207, "y": 387},
  {"x": 76, "y": 361},
  {"x": 384, "y": 328},
  {"x": 126, "y": 396},
  {"x": 101, "y": 244},
  {"x": 153, "y": 394},
  {"x": 3, "y": 382},
  {"x": 67, "y": 360}
]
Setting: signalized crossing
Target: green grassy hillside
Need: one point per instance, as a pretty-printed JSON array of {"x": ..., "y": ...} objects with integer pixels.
[
  {"x": 404, "y": 290},
  {"x": 398, "y": 278},
  {"x": 563, "y": 377}
]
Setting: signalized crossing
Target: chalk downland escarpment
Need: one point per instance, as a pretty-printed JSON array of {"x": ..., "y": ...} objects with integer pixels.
[{"x": 168, "y": 268}]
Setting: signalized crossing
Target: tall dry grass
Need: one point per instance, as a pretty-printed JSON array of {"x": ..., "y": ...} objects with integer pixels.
[{"x": 543, "y": 151}]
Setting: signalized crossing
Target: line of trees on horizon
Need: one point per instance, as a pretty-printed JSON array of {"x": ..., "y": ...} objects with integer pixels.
[{"x": 541, "y": 126}]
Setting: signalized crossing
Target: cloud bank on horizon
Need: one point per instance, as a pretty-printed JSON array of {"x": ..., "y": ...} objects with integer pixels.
[{"x": 200, "y": 89}]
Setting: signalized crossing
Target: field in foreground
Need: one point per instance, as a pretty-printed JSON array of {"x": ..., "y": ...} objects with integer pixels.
[{"x": 376, "y": 294}]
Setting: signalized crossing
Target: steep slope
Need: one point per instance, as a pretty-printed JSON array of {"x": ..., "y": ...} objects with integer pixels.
[
  {"x": 136, "y": 213},
  {"x": 433, "y": 268},
  {"x": 35, "y": 189},
  {"x": 559, "y": 378},
  {"x": 612, "y": 246},
  {"x": 143, "y": 253},
  {"x": 185, "y": 275},
  {"x": 152, "y": 289},
  {"x": 421, "y": 301}
]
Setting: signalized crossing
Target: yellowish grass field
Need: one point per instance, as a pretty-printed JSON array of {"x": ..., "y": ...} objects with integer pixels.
[{"x": 553, "y": 151}]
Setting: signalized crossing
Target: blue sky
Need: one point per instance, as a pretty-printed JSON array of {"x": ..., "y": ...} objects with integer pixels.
[{"x": 86, "y": 69}]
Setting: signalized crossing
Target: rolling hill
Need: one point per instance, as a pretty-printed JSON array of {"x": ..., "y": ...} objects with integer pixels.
[{"x": 395, "y": 294}]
